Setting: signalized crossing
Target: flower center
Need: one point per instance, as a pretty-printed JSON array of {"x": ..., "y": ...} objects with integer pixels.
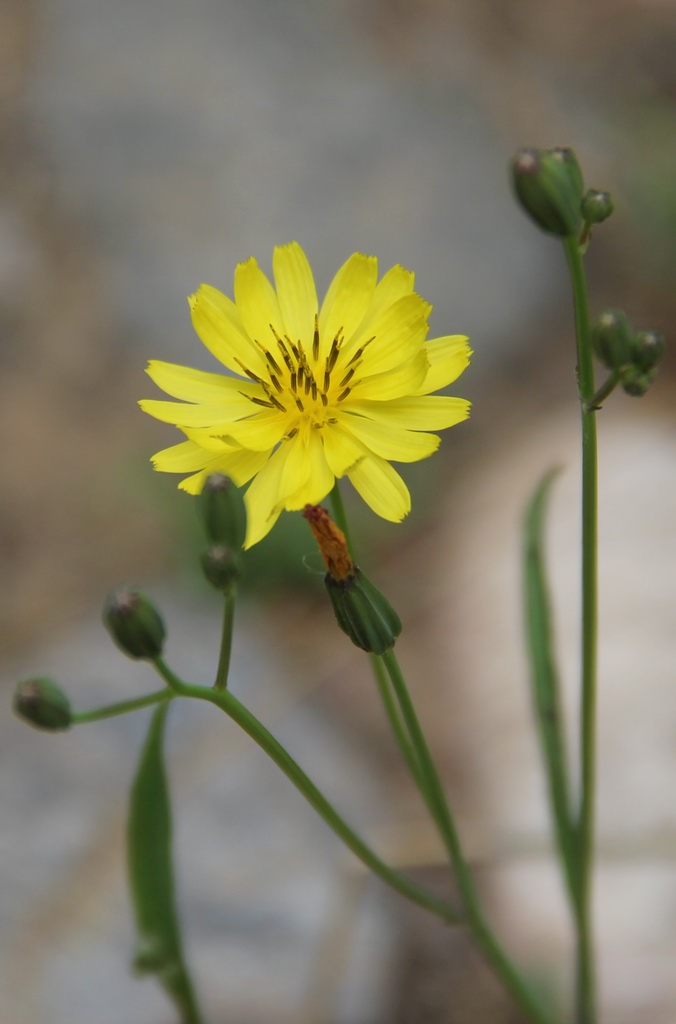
[{"x": 302, "y": 384}]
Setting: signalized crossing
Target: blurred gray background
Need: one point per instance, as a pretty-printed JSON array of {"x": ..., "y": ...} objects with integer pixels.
[{"x": 149, "y": 146}]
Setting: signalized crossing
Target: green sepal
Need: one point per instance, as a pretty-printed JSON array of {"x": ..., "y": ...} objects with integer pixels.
[
  {"x": 43, "y": 704},
  {"x": 363, "y": 613},
  {"x": 151, "y": 877},
  {"x": 134, "y": 623}
]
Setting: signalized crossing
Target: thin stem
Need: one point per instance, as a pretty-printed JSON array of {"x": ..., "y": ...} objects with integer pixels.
[
  {"x": 434, "y": 794},
  {"x": 122, "y": 708},
  {"x": 586, "y": 1012},
  {"x": 395, "y": 719},
  {"x": 606, "y": 389},
  {"x": 228, "y": 703},
  {"x": 338, "y": 509},
  {"x": 229, "y": 600}
]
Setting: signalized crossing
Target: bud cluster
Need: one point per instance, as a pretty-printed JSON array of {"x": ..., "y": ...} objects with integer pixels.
[{"x": 631, "y": 355}]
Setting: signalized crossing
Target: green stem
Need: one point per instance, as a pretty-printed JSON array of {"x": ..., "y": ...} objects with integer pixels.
[
  {"x": 433, "y": 793},
  {"x": 122, "y": 708},
  {"x": 229, "y": 600},
  {"x": 586, "y": 1001},
  {"x": 338, "y": 509},
  {"x": 395, "y": 719},
  {"x": 228, "y": 703},
  {"x": 606, "y": 389}
]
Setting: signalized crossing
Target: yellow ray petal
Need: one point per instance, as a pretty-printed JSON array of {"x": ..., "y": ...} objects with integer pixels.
[
  {"x": 424, "y": 412},
  {"x": 398, "y": 334},
  {"x": 197, "y": 385},
  {"x": 390, "y": 441},
  {"x": 219, "y": 327},
  {"x": 258, "y": 305},
  {"x": 216, "y": 416},
  {"x": 296, "y": 292},
  {"x": 319, "y": 481},
  {"x": 404, "y": 380},
  {"x": 381, "y": 487},
  {"x": 341, "y": 449},
  {"x": 348, "y": 299},
  {"x": 185, "y": 457},
  {"x": 262, "y": 499},
  {"x": 448, "y": 357},
  {"x": 260, "y": 432}
]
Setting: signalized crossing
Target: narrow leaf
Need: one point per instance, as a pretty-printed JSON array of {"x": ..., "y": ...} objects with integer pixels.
[
  {"x": 544, "y": 675},
  {"x": 151, "y": 876}
]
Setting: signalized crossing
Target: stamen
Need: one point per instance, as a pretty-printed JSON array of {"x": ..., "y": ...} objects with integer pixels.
[
  {"x": 301, "y": 373},
  {"x": 360, "y": 351},
  {"x": 275, "y": 401},
  {"x": 276, "y": 383},
  {"x": 299, "y": 403},
  {"x": 291, "y": 433},
  {"x": 327, "y": 380},
  {"x": 292, "y": 382},
  {"x": 333, "y": 354},
  {"x": 344, "y": 394},
  {"x": 315, "y": 340},
  {"x": 248, "y": 372},
  {"x": 324, "y": 399},
  {"x": 285, "y": 355},
  {"x": 314, "y": 391},
  {"x": 348, "y": 377},
  {"x": 261, "y": 401},
  {"x": 273, "y": 363}
]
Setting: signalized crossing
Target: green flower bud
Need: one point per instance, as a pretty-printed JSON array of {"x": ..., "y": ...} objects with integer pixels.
[
  {"x": 134, "y": 623},
  {"x": 223, "y": 512},
  {"x": 548, "y": 184},
  {"x": 363, "y": 612},
  {"x": 647, "y": 350},
  {"x": 221, "y": 567},
  {"x": 613, "y": 339},
  {"x": 42, "y": 703},
  {"x": 636, "y": 382},
  {"x": 596, "y": 206}
]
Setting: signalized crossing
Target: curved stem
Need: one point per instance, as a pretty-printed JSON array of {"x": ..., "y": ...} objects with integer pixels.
[
  {"x": 122, "y": 708},
  {"x": 228, "y": 703},
  {"x": 435, "y": 797},
  {"x": 229, "y": 600},
  {"x": 586, "y": 1012}
]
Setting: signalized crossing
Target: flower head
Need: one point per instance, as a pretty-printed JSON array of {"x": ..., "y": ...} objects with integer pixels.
[{"x": 312, "y": 393}]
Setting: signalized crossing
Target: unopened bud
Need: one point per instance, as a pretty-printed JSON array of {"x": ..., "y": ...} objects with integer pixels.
[
  {"x": 548, "y": 184},
  {"x": 363, "y": 613},
  {"x": 134, "y": 623},
  {"x": 613, "y": 339},
  {"x": 42, "y": 703},
  {"x": 648, "y": 349},
  {"x": 636, "y": 382},
  {"x": 221, "y": 567},
  {"x": 223, "y": 512},
  {"x": 596, "y": 206}
]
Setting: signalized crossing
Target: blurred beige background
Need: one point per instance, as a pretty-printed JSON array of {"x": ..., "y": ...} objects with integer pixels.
[{"x": 149, "y": 146}]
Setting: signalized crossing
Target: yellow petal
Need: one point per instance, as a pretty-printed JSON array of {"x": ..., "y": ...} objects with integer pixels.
[
  {"x": 398, "y": 334},
  {"x": 318, "y": 482},
  {"x": 260, "y": 432},
  {"x": 404, "y": 380},
  {"x": 296, "y": 292},
  {"x": 185, "y": 457},
  {"x": 341, "y": 449},
  {"x": 423, "y": 412},
  {"x": 348, "y": 299},
  {"x": 262, "y": 499},
  {"x": 219, "y": 327},
  {"x": 448, "y": 358},
  {"x": 394, "y": 285},
  {"x": 390, "y": 441},
  {"x": 240, "y": 465},
  {"x": 196, "y": 385},
  {"x": 381, "y": 487},
  {"x": 257, "y": 305},
  {"x": 216, "y": 416}
]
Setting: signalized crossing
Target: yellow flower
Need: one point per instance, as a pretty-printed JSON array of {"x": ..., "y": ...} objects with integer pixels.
[{"x": 310, "y": 394}]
